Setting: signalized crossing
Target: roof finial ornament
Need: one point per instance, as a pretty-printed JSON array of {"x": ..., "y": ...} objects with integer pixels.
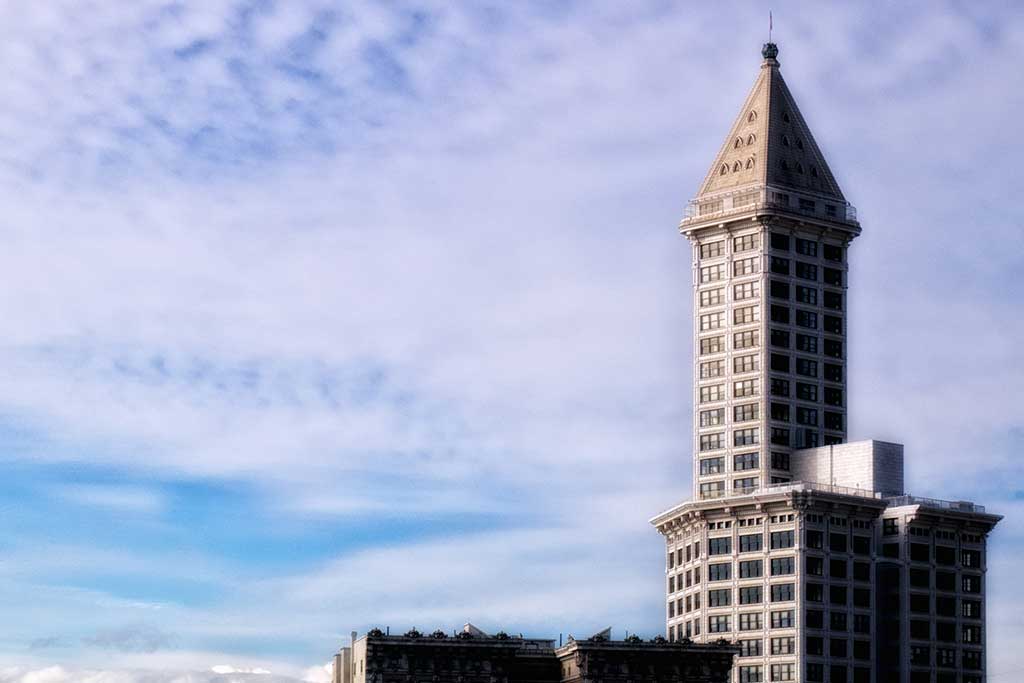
[{"x": 770, "y": 49}]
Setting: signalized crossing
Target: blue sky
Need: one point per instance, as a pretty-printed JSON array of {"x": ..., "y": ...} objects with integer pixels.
[{"x": 320, "y": 316}]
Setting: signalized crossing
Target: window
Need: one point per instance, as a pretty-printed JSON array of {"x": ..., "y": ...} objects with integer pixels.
[
  {"x": 750, "y": 569},
  {"x": 715, "y": 392},
  {"x": 920, "y": 578},
  {"x": 970, "y": 634},
  {"x": 780, "y": 338},
  {"x": 746, "y": 266},
  {"x": 750, "y": 595},
  {"x": 862, "y": 649},
  {"x": 971, "y": 660},
  {"x": 833, "y": 420},
  {"x": 945, "y": 581},
  {"x": 920, "y": 552},
  {"x": 746, "y": 290},
  {"x": 712, "y": 321},
  {"x": 745, "y": 461},
  {"x": 945, "y": 656},
  {"x": 971, "y": 584},
  {"x": 751, "y": 543},
  {"x": 806, "y": 367},
  {"x": 807, "y": 295},
  {"x": 862, "y": 623},
  {"x": 806, "y": 343},
  {"x": 750, "y": 621},
  {"x": 712, "y": 249},
  {"x": 712, "y": 466},
  {"x": 745, "y": 437},
  {"x": 837, "y": 543},
  {"x": 780, "y": 242},
  {"x": 945, "y": 631},
  {"x": 780, "y": 362},
  {"x": 782, "y": 619},
  {"x": 833, "y": 324},
  {"x": 780, "y": 461},
  {"x": 746, "y": 314},
  {"x": 815, "y": 539},
  {"x": 837, "y": 568},
  {"x": 970, "y": 609},
  {"x": 833, "y": 373},
  {"x": 806, "y": 247},
  {"x": 721, "y": 597},
  {"x": 837, "y": 621},
  {"x": 780, "y": 265},
  {"x": 780, "y": 314},
  {"x": 782, "y": 566},
  {"x": 745, "y": 387},
  {"x": 778, "y": 290},
  {"x": 920, "y": 655},
  {"x": 832, "y": 276},
  {"x": 782, "y": 672},
  {"x": 710, "y": 418},
  {"x": 837, "y": 595},
  {"x": 712, "y": 368},
  {"x": 833, "y": 301},
  {"x": 807, "y": 319},
  {"x": 782, "y": 646},
  {"x": 970, "y": 558},
  {"x": 750, "y": 648},
  {"x": 833, "y": 348},
  {"x": 780, "y": 387},
  {"x": 832, "y": 252},
  {"x": 861, "y": 544},
  {"x": 720, "y": 572},
  {"x": 807, "y": 416},
  {"x": 745, "y": 242},
  {"x": 745, "y": 412},
  {"x": 781, "y": 539},
  {"x": 718, "y": 624},
  {"x": 712, "y": 297},
  {"x": 745, "y": 364},
  {"x": 711, "y": 345},
  {"x": 714, "y": 489},
  {"x": 815, "y": 619},
  {"x": 751, "y": 674},
  {"x": 745, "y": 485},
  {"x": 806, "y": 271},
  {"x": 806, "y": 392},
  {"x": 712, "y": 273},
  {"x": 711, "y": 442},
  {"x": 720, "y": 546},
  {"x": 815, "y": 672},
  {"x": 744, "y": 340},
  {"x": 837, "y": 648},
  {"x": 814, "y": 592}
]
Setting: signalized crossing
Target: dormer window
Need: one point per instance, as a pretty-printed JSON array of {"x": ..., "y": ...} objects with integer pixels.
[
  {"x": 799, "y": 167},
  {"x": 785, "y": 141},
  {"x": 752, "y": 116},
  {"x": 723, "y": 170},
  {"x": 736, "y": 166},
  {"x": 814, "y": 172},
  {"x": 750, "y": 162},
  {"x": 799, "y": 144},
  {"x": 750, "y": 139},
  {"x": 785, "y": 116},
  {"x": 784, "y": 165},
  {"x": 738, "y": 143}
]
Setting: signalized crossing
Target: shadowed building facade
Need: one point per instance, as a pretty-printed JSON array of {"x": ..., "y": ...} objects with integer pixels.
[{"x": 798, "y": 546}]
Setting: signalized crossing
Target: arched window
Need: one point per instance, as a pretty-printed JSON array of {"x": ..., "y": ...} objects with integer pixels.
[
  {"x": 736, "y": 166},
  {"x": 724, "y": 169},
  {"x": 750, "y": 162},
  {"x": 752, "y": 116},
  {"x": 814, "y": 172},
  {"x": 799, "y": 143},
  {"x": 784, "y": 165},
  {"x": 751, "y": 138},
  {"x": 799, "y": 167},
  {"x": 738, "y": 143},
  {"x": 785, "y": 141},
  {"x": 785, "y": 116}
]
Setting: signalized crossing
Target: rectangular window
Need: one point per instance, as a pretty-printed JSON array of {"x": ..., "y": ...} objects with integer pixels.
[
  {"x": 781, "y": 539},
  {"x": 746, "y": 314},
  {"x": 806, "y": 247},
  {"x": 806, "y": 343},
  {"x": 780, "y": 461},
  {"x": 752, "y": 674},
  {"x": 782, "y": 592},
  {"x": 780, "y": 241},
  {"x": 745, "y": 340},
  {"x": 710, "y": 418},
  {"x": 832, "y": 276},
  {"x": 833, "y": 348},
  {"x": 745, "y": 387},
  {"x": 815, "y": 566},
  {"x": 720, "y": 572},
  {"x": 746, "y": 290},
  {"x": 837, "y": 543},
  {"x": 782, "y": 619},
  {"x": 745, "y": 266},
  {"x": 837, "y": 621},
  {"x": 814, "y": 619},
  {"x": 780, "y": 314},
  {"x": 782, "y": 566},
  {"x": 837, "y": 595},
  {"x": 833, "y": 396},
  {"x": 750, "y": 648},
  {"x": 720, "y": 546},
  {"x": 718, "y": 624},
  {"x": 745, "y": 461},
  {"x": 782, "y": 646},
  {"x": 807, "y": 206},
  {"x": 710, "y": 345},
  {"x": 712, "y": 321},
  {"x": 745, "y": 412},
  {"x": 780, "y": 387},
  {"x": 712, "y": 466},
  {"x": 712, "y": 368},
  {"x": 783, "y": 672},
  {"x": 712, "y": 297},
  {"x": 833, "y": 301},
  {"x": 742, "y": 364},
  {"x": 750, "y": 595},
  {"x": 712, "y": 273},
  {"x": 745, "y": 485},
  {"x": 780, "y": 265},
  {"x": 833, "y": 373},
  {"x": 750, "y": 621},
  {"x": 833, "y": 324},
  {"x": 712, "y": 249},
  {"x": 745, "y": 437},
  {"x": 807, "y": 319},
  {"x": 715, "y": 392},
  {"x": 712, "y": 442},
  {"x": 833, "y": 421},
  {"x": 745, "y": 242},
  {"x": 780, "y": 412},
  {"x": 780, "y": 436},
  {"x": 806, "y": 392},
  {"x": 751, "y": 543},
  {"x": 807, "y": 416},
  {"x": 714, "y": 489},
  {"x": 814, "y": 592},
  {"x": 750, "y": 569},
  {"x": 778, "y": 290},
  {"x": 971, "y": 584},
  {"x": 806, "y": 271},
  {"x": 832, "y": 252},
  {"x": 721, "y": 597},
  {"x": 970, "y": 558},
  {"x": 780, "y": 362},
  {"x": 807, "y": 295},
  {"x": 780, "y": 338}
]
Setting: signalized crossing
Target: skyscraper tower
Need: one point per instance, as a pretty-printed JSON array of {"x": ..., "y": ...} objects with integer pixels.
[
  {"x": 769, "y": 229},
  {"x": 801, "y": 548}
]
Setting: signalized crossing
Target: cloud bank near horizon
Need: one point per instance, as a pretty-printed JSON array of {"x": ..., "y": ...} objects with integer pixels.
[{"x": 322, "y": 319}]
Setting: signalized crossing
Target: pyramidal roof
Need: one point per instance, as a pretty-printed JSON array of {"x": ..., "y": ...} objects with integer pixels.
[{"x": 770, "y": 143}]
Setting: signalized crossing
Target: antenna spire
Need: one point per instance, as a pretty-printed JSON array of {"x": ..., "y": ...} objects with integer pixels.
[{"x": 770, "y": 26}]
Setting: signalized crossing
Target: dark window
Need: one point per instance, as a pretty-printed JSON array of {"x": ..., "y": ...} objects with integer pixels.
[
  {"x": 807, "y": 271},
  {"x": 782, "y": 619},
  {"x": 837, "y": 648},
  {"x": 832, "y": 300},
  {"x": 806, "y": 367},
  {"x": 751, "y": 569},
  {"x": 806, "y": 392},
  {"x": 815, "y": 539},
  {"x": 945, "y": 581},
  {"x": 920, "y": 629},
  {"x": 750, "y": 595},
  {"x": 920, "y": 602},
  {"x": 806, "y": 247},
  {"x": 945, "y": 606},
  {"x": 837, "y": 595},
  {"x": 807, "y": 416},
  {"x": 815, "y": 671},
  {"x": 814, "y": 592},
  {"x": 945, "y": 631},
  {"x": 890, "y": 526},
  {"x": 807, "y": 295},
  {"x": 837, "y": 543},
  {"x": 862, "y": 623},
  {"x": 833, "y": 324},
  {"x": 832, "y": 276},
  {"x": 862, "y": 597},
  {"x": 780, "y": 362},
  {"x": 815, "y": 618},
  {"x": 920, "y": 655},
  {"x": 807, "y": 319},
  {"x": 782, "y": 592},
  {"x": 779, "y": 290},
  {"x": 719, "y": 546},
  {"x": 721, "y": 597},
  {"x": 780, "y": 265},
  {"x": 891, "y": 550},
  {"x": 837, "y": 621},
  {"x": 833, "y": 372},
  {"x": 920, "y": 578},
  {"x": 920, "y": 552},
  {"x": 861, "y": 570},
  {"x": 945, "y": 555},
  {"x": 970, "y": 558},
  {"x": 720, "y": 572},
  {"x": 971, "y": 584},
  {"x": 782, "y": 539},
  {"x": 780, "y": 314},
  {"x": 837, "y": 568},
  {"x": 837, "y": 673},
  {"x": 833, "y": 348},
  {"x": 833, "y": 396},
  {"x": 780, "y": 412},
  {"x": 782, "y": 566},
  {"x": 780, "y": 461},
  {"x": 750, "y": 543},
  {"x": 832, "y": 253},
  {"x": 780, "y": 436},
  {"x": 806, "y": 343},
  {"x": 833, "y": 420},
  {"x": 780, "y": 241},
  {"x": 780, "y": 387},
  {"x": 779, "y": 338}
]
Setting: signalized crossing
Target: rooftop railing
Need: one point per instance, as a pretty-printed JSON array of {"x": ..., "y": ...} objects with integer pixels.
[
  {"x": 794, "y": 486},
  {"x": 956, "y": 505},
  {"x": 742, "y": 201}
]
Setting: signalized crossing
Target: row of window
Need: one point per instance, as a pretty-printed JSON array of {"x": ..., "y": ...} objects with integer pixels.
[
  {"x": 740, "y": 340},
  {"x": 749, "y": 621},
  {"x": 777, "y": 289},
  {"x": 921, "y": 655},
  {"x": 778, "y": 241},
  {"x": 742, "y": 315},
  {"x": 740, "y": 292},
  {"x": 944, "y": 631},
  {"x": 741, "y": 388}
]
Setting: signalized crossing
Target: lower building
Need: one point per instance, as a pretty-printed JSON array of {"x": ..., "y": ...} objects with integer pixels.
[
  {"x": 830, "y": 581},
  {"x": 472, "y": 656}
]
